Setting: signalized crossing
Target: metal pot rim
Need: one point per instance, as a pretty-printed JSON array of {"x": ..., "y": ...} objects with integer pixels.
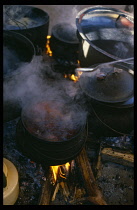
[
  {"x": 43, "y": 15},
  {"x": 78, "y": 131},
  {"x": 87, "y": 92},
  {"x": 12, "y": 74},
  {"x": 81, "y": 14}
]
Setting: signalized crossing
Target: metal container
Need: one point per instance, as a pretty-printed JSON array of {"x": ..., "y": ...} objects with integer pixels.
[
  {"x": 17, "y": 50},
  {"x": 110, "y": 100},
  {"x": 47, "y": 141},
  {"x": 30, "y": 21},
  {"x": 105, "y": 34}
]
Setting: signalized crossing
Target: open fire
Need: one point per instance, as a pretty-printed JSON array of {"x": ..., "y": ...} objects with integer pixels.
[
  {"x": 72, "y": 77},
  {"x": 60, "y": 171},
  {"x": 58, "y": 175}
]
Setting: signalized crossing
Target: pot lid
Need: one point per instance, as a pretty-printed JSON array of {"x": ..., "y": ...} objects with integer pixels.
[
  {"x": 109, "y": 83},
  {"x": 108, "y": 30},
  {"x": 22, "y": 17},
  {"x": 53, "y": 121},
  {"x": 65, "y": 32}
]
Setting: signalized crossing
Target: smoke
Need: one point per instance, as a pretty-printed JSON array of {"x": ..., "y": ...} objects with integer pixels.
[
  {"x": 10, "y": 60},
  {"x": 67, "y": 13},
  {"x": 37, "y": 82}
]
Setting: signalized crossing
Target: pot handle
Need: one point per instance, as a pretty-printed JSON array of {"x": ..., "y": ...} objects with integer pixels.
[
  {"x": 125, "y": 20},
  {"x": 108, "y": 63}
]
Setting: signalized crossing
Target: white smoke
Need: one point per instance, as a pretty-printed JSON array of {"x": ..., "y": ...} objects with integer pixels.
[{"x": 32, "y": 84}]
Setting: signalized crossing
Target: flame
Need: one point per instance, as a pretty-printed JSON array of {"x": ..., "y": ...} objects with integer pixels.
[
  {"x": 48, "y": 50},
  {"x": 67, "y": 165},
  {"x": 73, "y": 77},
  {"x": 55, "y": 170},
  {"x": 58, "y": 172}
]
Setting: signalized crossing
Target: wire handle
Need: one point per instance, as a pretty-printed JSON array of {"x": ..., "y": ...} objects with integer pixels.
[{"x": 107, "y": 63}]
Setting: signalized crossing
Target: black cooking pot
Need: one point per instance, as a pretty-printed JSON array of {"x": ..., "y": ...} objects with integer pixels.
[
  {"x": 64, "y": 41},
  {"x": 105, "y": 34},
  {"x": 17, "y": 50},
  {"x": 29, "y": 21},
  {"x": 48, "y": 146},
  {"x": 111, "y": 120},
  {"x": 64, "y": 45},
  {"x": 108, "y": 83},
  {"x": 110, "y": 100}
]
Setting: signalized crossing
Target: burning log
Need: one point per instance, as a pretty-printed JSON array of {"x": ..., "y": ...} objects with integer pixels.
[
  {"x": 48, "y": 189},
  {"x": 53, "y": 182},
  {"x": 95, "y": 195},
  {"x": 59, "y": 174}
]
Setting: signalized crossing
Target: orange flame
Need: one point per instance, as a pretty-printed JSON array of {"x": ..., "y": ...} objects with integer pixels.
[
  {"x": 48, "y": 50},
  {"x": 58, "y": 172},
  {"x": 73, "y": 77},
  {"x": 55, "y": 170}
]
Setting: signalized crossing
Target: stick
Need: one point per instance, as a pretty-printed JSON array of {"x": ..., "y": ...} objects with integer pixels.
[{"x": 90, "y": 183}]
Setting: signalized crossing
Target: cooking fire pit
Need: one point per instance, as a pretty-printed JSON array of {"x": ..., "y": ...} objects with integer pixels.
[{"x": 55, "y": 149}]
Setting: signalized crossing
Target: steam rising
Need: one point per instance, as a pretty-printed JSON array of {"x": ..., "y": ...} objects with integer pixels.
[{"x": 32, "y": 85}]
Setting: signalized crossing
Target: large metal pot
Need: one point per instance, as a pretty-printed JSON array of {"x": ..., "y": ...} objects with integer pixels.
[
  {"x": 43, "y": 136},
  {"x": 110, "y": 100},
  {"x": 107, "y": 120},
  {"x": 30, "y": 21},
  {"x": 64, "y": 45},
  {"x": 64, "y": 41},
  {"x": 105, "y": 34},
  {"x": 17, "y": 50}
]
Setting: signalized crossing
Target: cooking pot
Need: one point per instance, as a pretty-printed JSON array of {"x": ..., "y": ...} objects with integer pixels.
[
  {"x": 49, "y": 141},
  {"x": 110, "y": 106},
  {"x": 107, "y": 120},
  {"x": 64, "y": 45},
  {"x": 29, "y": 21},
  {"x": 17, "y": 50},
  {"x": 105, "y": 34},
  {"x": 108, "y": 83}
]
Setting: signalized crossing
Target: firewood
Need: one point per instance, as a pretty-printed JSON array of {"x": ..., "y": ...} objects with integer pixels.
[
  {"x": 55, "y": 192},
  {"x": 92, "y": 188},
  {"x": 48, "y": 189},
  {"x": 111, "y": 155}
]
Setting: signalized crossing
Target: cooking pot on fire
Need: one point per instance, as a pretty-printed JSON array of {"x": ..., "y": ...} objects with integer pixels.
[
  {"x": 110, "y": 99},
  {"x": 105, "y": 34},
  {"x": 51, "y": 133},
  {"x": 29, "y": 21},
  {"x": 64, "y": 45},
  {"x": 18, "y": 50}
]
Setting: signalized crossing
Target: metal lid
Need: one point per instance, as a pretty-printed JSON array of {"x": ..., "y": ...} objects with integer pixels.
[
  {"x": 22, "y": 17},
  {"x": 108, "y": 30},
  {"x": 65, "y": 32},
  {"x": 112, "y": 84}
]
